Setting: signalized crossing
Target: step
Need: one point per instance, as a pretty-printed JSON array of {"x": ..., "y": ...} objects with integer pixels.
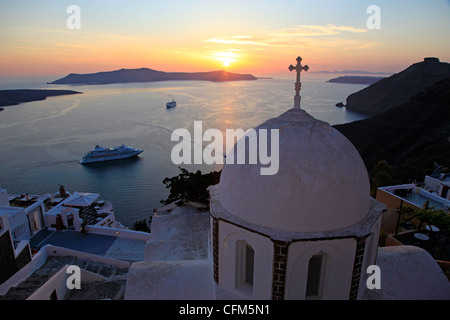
[{"x": 54, "y": 264}]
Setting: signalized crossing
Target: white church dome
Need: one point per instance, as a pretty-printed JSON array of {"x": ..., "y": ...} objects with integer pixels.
[{"x": 321, "y": 184}]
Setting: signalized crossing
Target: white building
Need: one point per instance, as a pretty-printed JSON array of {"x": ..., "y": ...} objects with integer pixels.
[
  {"x": 308, "y": 232},
  {"x": 438, "y": 187},
  {"x": 25, "y": 220},
  {"x": 23, "y": 261}
]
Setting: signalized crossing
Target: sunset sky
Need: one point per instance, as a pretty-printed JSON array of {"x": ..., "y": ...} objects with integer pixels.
[{"x": 248, "y": 36}]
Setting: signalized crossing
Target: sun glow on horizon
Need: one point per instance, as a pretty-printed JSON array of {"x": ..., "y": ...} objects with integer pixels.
[
  {"x": 227, "y": 58},
  {"x": 37, "y": 41}
]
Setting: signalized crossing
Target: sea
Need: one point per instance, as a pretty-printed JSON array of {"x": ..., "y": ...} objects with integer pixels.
[{"x": 42, "y": 142}]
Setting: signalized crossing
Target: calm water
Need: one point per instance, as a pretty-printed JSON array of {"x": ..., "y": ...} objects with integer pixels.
[{"x": 42, "y": 142}]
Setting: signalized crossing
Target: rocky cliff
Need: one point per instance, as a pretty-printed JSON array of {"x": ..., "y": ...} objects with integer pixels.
[
  {"x": 413, "y": 136},
  {"x": 398, "y": 88}
]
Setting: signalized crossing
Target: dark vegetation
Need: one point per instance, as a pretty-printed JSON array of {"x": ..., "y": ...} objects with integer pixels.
[
  {"x": 142, "y": 225},
  {"x": 190, "y": 186},
  {"x": 431, "y": 217}
]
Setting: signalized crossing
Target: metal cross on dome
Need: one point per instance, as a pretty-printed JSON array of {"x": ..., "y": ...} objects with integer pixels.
[{"x": 298, "y": 84}]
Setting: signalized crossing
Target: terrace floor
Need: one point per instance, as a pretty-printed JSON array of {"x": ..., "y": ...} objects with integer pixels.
[{"x": 102, "y": 245}]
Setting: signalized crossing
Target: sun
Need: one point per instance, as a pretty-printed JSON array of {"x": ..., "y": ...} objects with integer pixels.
[
  {"x": 227, "y": 58},
  {"x": 226, "y": 61}
]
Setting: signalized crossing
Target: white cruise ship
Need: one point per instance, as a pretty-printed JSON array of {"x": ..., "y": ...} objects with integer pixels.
[{"x": 100, "y": 154}]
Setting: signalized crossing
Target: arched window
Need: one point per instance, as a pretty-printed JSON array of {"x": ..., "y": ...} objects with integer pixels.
[
  {"x": 315, "y": 275},
  {"x": 244, "y": 272},
  {"x": 249, "y": 264}
]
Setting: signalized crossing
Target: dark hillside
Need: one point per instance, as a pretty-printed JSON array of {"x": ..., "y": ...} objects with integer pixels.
[
  {"x": 412, "y": 137},
  {"x": 398, "y": 88}
]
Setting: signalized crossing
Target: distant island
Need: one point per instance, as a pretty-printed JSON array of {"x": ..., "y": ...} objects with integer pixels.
[
  {"x": 148, "y": 75},
  {"x": 16, "y": 96},
  {"x": 356, "y": 79},
  {"x": 355, "y": 72}
]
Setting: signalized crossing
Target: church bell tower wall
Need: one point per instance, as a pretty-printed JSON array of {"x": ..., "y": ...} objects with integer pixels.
[
  {"x": 244, "y": 262},
  {"x": 332, "y": 277}
]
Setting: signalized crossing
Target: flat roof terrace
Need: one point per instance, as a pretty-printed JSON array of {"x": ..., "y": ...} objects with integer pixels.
[
  {"x": 417, "y": 196},
  {"x": 24, "y": 201},
  {"x": 420, "y": 200}
]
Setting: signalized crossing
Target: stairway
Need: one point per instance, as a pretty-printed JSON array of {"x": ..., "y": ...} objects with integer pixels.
[
  {"x": 90, "y": 215},
  {"x": 112, "y": 288}
]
